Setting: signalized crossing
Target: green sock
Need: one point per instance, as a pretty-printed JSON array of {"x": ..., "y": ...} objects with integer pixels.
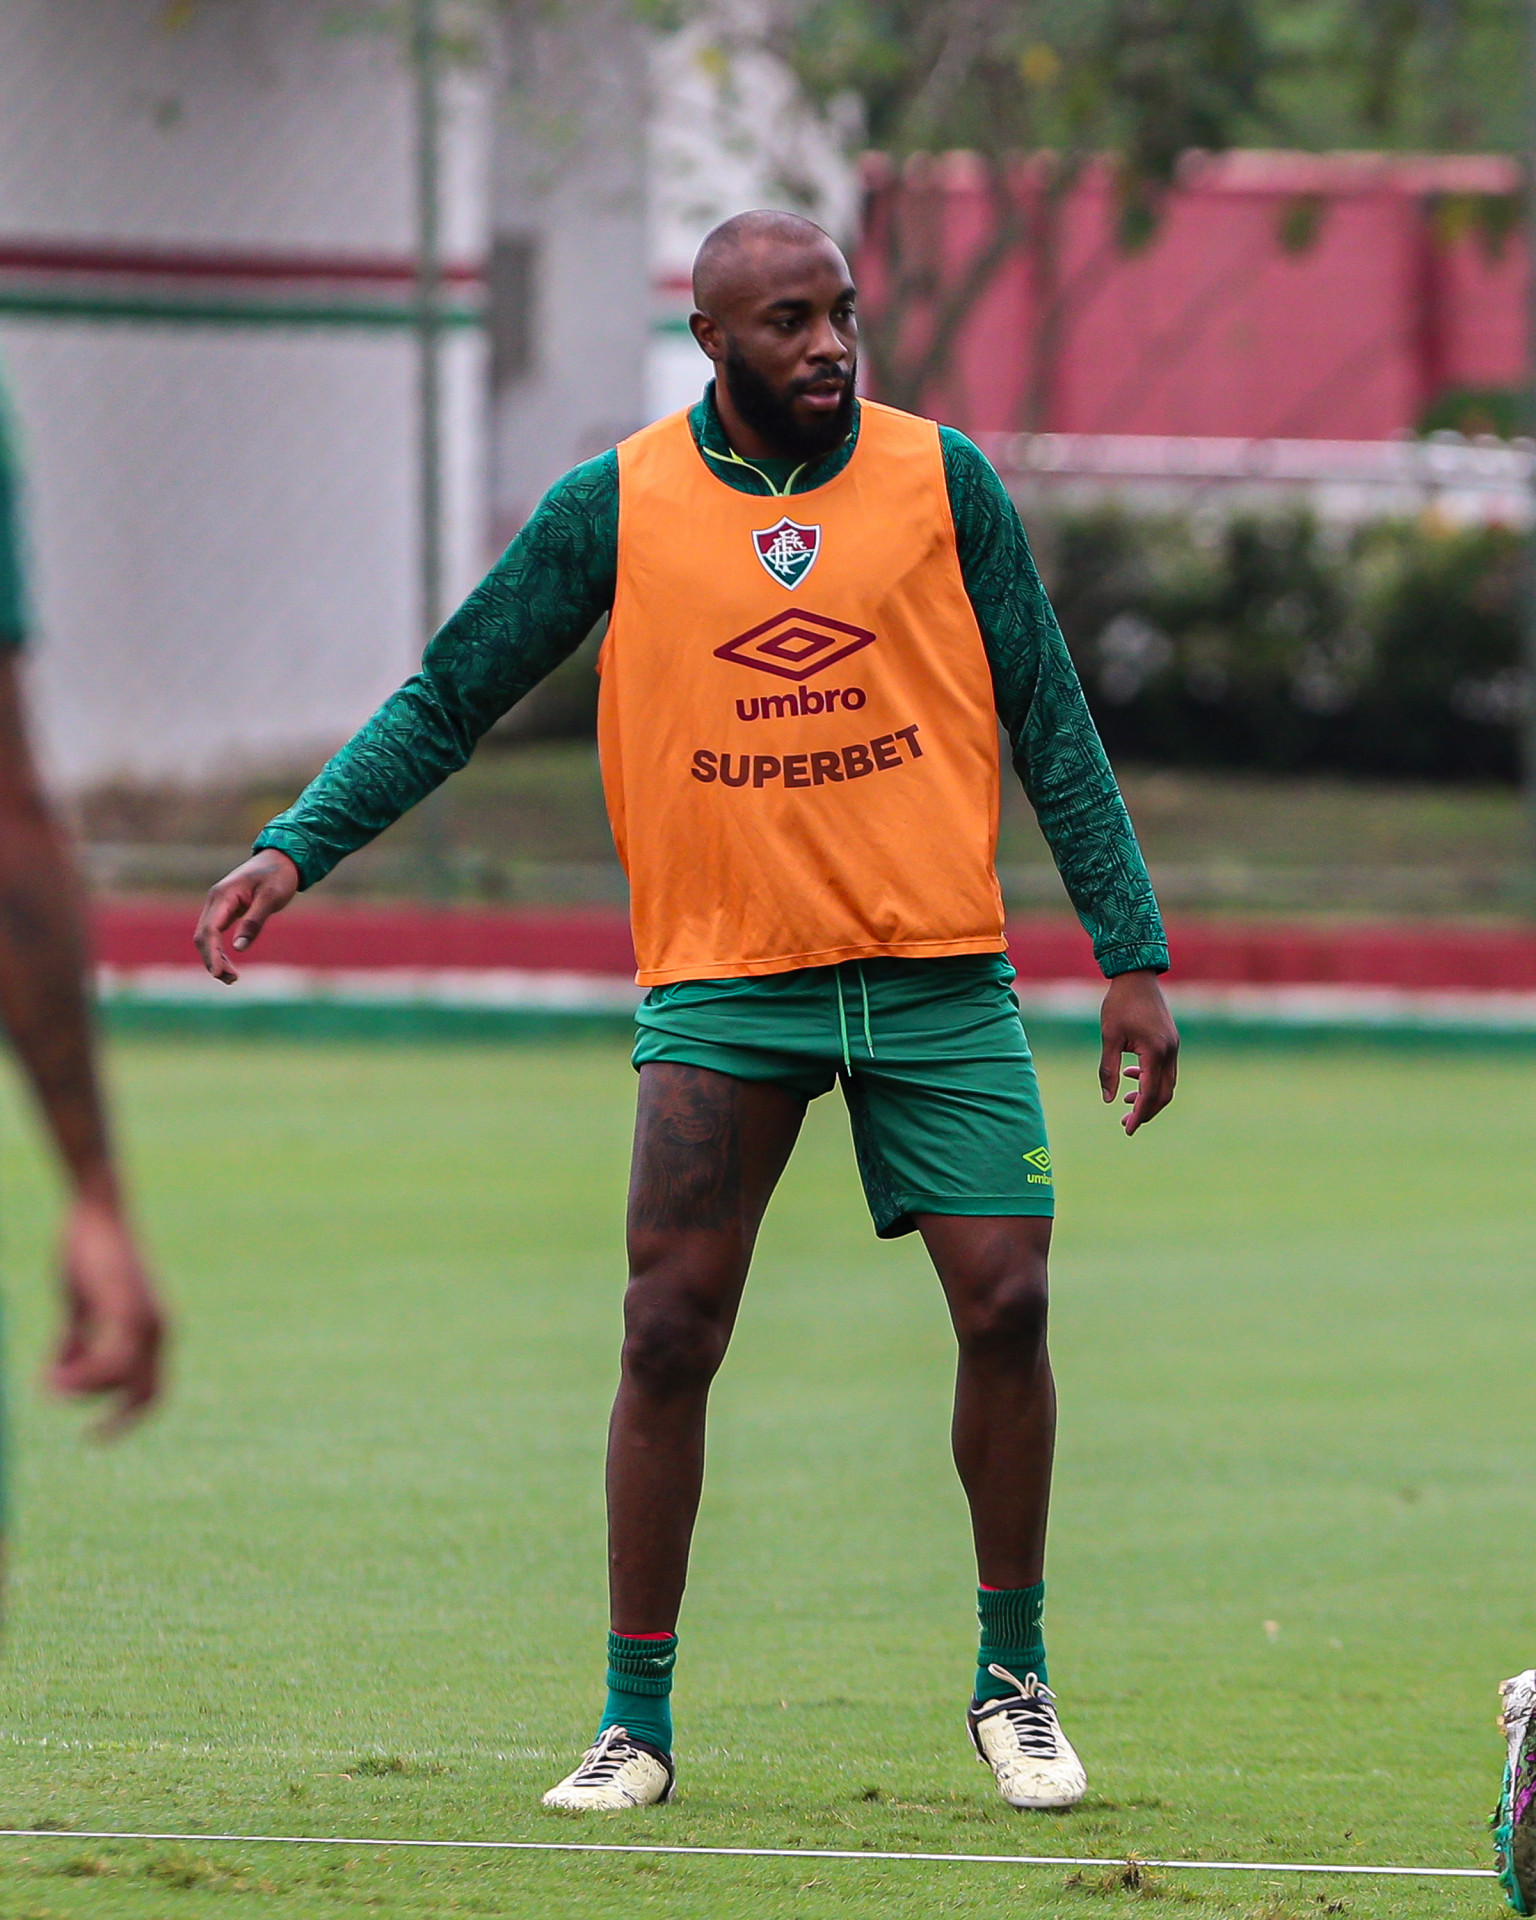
[
  {"x": 640, "y": 1687},
  {"x": 1011, "y": 1636}
]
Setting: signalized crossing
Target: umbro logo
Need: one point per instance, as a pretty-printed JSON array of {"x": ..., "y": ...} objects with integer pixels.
[
  {"x": 1039, "y": 1158},
  {"x": 788, "y": 551},
  {"x": 795, "y": 644}
]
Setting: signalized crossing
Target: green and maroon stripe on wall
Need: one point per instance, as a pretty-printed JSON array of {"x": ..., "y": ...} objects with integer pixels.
[
  {"x": 222, "y": 286},
  {"x": 1421, "y": 958}
]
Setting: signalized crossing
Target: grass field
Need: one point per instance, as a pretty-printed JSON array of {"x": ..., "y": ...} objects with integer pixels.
[
  {"x": 528, "y": 826},
  {"x": 351, "y": 1581}
]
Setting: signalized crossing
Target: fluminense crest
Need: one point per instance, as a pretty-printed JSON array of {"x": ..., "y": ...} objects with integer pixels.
[{"x": 788, "y": 551}]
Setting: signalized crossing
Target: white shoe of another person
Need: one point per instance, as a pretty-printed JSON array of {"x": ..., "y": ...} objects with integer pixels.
[
  {"x": 615, "y": 1772},
  {"x": 1514, "y": 1819},
  {"x": 1020, "y": 1739}
]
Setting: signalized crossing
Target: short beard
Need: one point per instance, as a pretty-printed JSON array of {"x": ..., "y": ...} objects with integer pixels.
[{"x": 771, "y": 413}]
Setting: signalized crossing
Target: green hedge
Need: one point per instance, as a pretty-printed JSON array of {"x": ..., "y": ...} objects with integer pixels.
[{"x": 1277, "y": 644}]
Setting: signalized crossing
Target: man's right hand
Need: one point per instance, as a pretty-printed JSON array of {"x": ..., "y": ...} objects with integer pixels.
[{"x": 240, "y": 905}]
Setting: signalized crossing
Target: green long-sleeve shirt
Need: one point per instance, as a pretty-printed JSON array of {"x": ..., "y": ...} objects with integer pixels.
[
  {"x": 13, "y": 599},
  {"x": 556, "y": 581}
]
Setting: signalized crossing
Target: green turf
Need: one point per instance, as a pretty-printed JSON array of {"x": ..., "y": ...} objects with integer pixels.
[
  {"x": 351, "y": 1582},
  {"x": 527, "y": 826}
]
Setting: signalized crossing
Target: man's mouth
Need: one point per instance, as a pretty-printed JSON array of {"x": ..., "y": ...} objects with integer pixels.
[{"x": 824, "y": 395}]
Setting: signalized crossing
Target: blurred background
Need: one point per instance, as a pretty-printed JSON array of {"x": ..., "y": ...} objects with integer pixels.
[{"x": 303, "y": 303}]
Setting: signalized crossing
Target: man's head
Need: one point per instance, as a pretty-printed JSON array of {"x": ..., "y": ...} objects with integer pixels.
[{"x": 775, "y": 312}]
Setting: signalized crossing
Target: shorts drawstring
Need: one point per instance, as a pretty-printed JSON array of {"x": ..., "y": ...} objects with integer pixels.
[{"x": 842, "y": 1016}]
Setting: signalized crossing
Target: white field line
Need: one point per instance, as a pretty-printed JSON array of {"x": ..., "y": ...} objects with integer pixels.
[
  {"x": 513, "y": 988},
  {"x": 467, "y": 987},
  {"x": 756, "y": 1853},
  {"x": 1444, "y": 1010}
]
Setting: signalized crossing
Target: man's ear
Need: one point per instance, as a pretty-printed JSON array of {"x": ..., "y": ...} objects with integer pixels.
[{"x": 707, "y": 332}]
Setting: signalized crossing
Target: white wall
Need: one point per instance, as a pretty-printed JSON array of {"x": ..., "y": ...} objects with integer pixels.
[
  {"x": 569, "y": 181},
  {"x": 223, "y": 521},
  {"x": 730, "y": 131},
  {"x": 617, "y": 149}
]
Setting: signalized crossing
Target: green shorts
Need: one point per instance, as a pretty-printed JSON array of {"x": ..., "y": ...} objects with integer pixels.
[{"x": 932, "y": 1060}]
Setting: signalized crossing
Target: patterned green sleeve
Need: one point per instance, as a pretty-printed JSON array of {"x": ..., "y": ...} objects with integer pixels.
[
  {"x": 1056, "y": 748},
  {"x": 13, "y": 598},
  {"x": 534, "y": 608}
]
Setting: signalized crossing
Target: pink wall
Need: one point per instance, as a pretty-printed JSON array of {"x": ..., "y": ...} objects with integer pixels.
[
  {"x": 131, "y": 934},
  {"x": 1391, "y": 290}
]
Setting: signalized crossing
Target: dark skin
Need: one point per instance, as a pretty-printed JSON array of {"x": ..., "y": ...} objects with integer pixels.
[
  {"x": 790, "y": 309},
  {"x": 113, "y": 1331},
  {"x": 710, "y": 1149}
]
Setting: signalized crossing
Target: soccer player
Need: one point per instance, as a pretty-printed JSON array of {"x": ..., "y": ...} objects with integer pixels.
[
  {"x": 113, "y": 1327},
  {"x": 817, "y": 610}
]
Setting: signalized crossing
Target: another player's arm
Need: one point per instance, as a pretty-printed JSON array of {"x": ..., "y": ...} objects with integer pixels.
[
  {"x": 1061, "y": 762},
  {"x": 534, "y": 608},
  {"x": 113, "y": 1326}
]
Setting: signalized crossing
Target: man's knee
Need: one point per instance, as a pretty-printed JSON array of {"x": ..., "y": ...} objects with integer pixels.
[
  {"x": 1004, "y": 1311},
  {"x": 673, "y": 1340}
]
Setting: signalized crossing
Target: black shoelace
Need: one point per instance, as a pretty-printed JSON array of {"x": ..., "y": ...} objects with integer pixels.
[
  {"x": 1034, "y": 1721},
  {"x": 1030, "y": 1714},
  {"x": 612, "y": 1750}
]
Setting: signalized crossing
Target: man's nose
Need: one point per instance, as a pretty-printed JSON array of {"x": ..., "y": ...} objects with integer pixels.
[{"x": 825, "y": 345}]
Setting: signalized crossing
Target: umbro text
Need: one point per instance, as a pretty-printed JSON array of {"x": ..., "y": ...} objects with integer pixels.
[{"x": 779, "y": 706}]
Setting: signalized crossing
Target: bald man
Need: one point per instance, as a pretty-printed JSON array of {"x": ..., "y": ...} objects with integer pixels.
[{"x": 817, "y": 611}]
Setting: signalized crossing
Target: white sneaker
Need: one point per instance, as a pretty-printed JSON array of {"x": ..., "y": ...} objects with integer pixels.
[
  {"x": 1514, "y": 1819},
  {"x": 1020, "y": 1739},
  {"x": 615, "y": 1772}
]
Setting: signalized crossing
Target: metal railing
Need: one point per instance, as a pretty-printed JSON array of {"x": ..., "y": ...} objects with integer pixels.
[{"x": 1464, "y": 480}]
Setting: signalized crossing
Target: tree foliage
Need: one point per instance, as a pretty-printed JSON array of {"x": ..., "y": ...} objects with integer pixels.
[
  {"x": 1144, "y": 81},
  {"x": 1441, "y": 75},
  {"x": 1269, "y": 645}
]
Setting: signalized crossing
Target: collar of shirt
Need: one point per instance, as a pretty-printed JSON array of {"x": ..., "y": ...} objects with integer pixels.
[{"x": 776, "y": 476}]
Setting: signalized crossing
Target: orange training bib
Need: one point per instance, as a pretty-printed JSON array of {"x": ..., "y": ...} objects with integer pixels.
[{"x": 796, "y": 719}]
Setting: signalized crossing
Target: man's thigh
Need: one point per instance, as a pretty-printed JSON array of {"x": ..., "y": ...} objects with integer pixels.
[
  {"x": 981, "y": 1259},
  {"x": 709, "y": 1150}
]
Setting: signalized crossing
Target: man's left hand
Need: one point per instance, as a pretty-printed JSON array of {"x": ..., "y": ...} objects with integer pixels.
[{"x": 1135, "y": 1019}]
